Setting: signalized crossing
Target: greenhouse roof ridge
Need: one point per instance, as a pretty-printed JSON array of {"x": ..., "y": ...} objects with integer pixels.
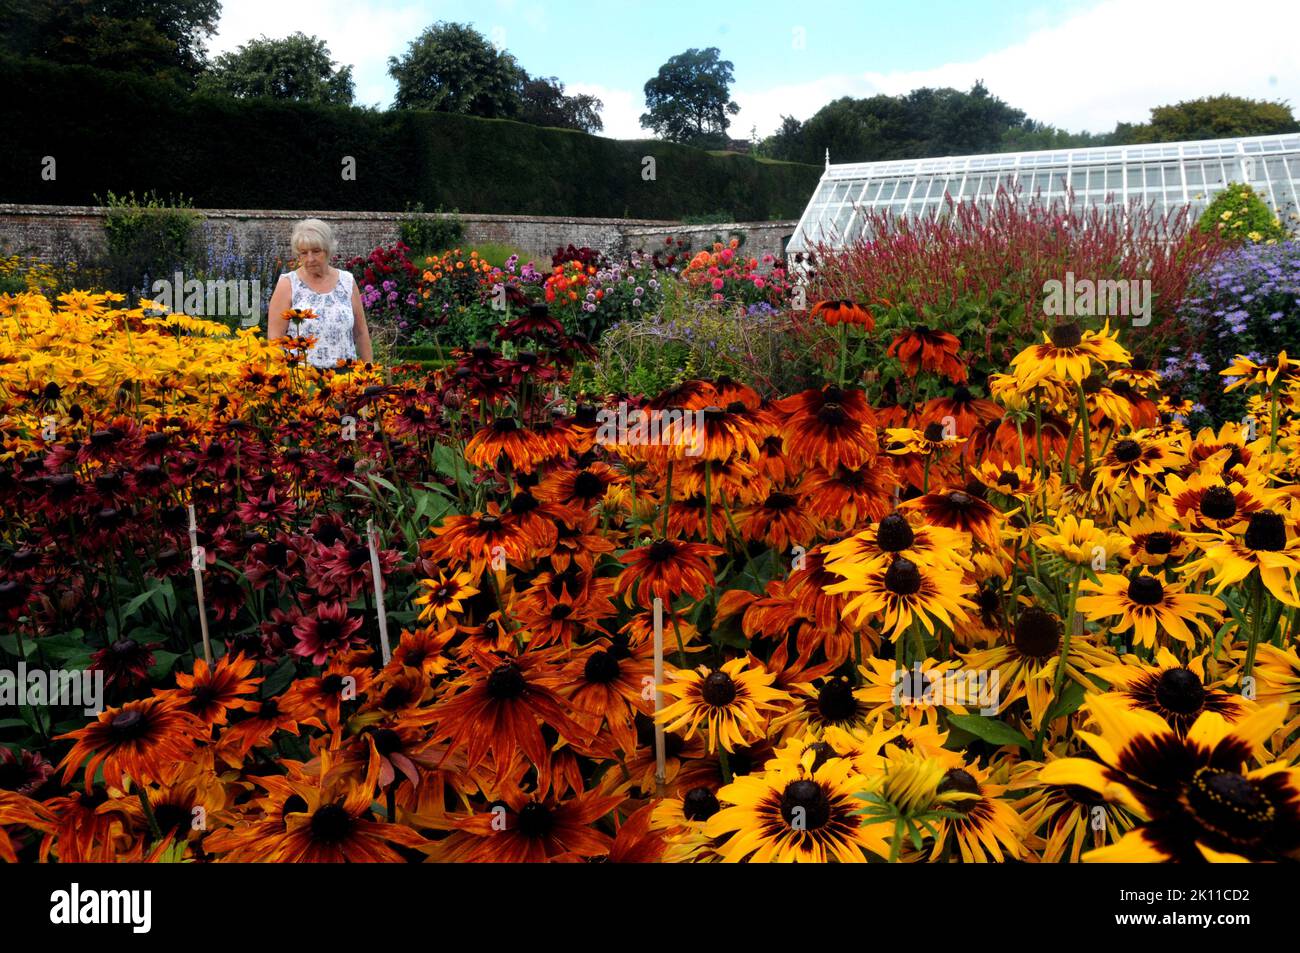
[{"x": 1147, "y": 151}]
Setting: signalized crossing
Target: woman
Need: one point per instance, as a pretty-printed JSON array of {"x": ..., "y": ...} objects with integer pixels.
[{"x": 340, "y": 325}]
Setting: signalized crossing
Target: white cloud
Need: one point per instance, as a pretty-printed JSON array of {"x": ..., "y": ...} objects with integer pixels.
[
  {"x": 622, "y": 109},
  {"x": 1109, "y": 63}
]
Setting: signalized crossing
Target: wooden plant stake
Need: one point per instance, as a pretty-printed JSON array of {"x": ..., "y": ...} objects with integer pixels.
[
  {"x": 198, "y": 564},
  {"x": 661, "y": 766},
  {"x": 372, "y": 538}
]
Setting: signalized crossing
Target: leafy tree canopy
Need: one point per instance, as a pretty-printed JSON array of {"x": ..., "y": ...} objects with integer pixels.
[
  {"x": 162, "y": 38},
  {"x": 689, "y": 99},
  {"x": 296, "y": 67},
  {"x": 452, "y": 68}
]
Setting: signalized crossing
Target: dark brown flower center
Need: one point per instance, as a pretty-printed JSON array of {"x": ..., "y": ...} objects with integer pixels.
[
  {"x": 805, "y": 806},
  {"x": 1180, "y": 690},
  {"x": 1010, "y": 479},
  {"x": 903, "y": 578},
  {"x": 835, "y": 701},
  {"x": 331, "y": 824},
  {"x": 894, "y": 534},
  {"x": 832, "y": 415},
  {"x": 1266, "y": 532},
  {"x": 1159, "y": 544},
  {"x": 1218, "y": 503},
  {"x": 1067, "y": 335},
  {"x": 587, "y": 485},
  {"x": 601, "y": 667},
  {"x": 661, "y": 550},
  {"x": 1126, "y": 451},
  {"x": 1037, "y": 633},
  {"x": 399, "y": 696},
  {"x": 962, "y": 782},
  {"x": 126, "y": 725},
  {"x": 934, "y": 433},
  {"x": 700, "y": 804},
  {"x": 506, "y": 682},
  {"x": 1146, "y": 590},
  {"x": 718, "y": 690},
  {"x": 1231, "y": 805},
  {"x": 535, "y": 820}
]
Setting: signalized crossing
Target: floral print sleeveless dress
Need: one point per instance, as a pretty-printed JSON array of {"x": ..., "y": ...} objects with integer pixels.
[{"x": 332, "y": 326}]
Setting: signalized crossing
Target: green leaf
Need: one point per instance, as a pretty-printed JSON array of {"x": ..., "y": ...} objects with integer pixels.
[
  {"x": 991, "y": 730},
  {"x": 958, "y": 738},
  {"x": 10, "y": 644},
  {"x": 132, "y": 607},
  {"x": 28, "y": 715},
  {"x": 1044, "y": 596},
  {"x": 281, "y": 676},
  {"x": 162, "y": 664},
  {"x": 1071, "y": 698}
]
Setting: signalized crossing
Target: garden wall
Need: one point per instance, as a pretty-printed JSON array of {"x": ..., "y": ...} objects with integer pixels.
[{"x": 48, "y": 232}]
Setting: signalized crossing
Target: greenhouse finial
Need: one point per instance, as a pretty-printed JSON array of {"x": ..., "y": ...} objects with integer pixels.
[{"x": 828, "y": 157}]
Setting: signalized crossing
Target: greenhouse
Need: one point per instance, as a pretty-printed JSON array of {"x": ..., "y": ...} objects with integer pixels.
[{"x": 1166, "y": 175}]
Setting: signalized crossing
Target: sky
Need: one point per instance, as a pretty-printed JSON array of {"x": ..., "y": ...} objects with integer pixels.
[{"x": 1081, "y": 65}]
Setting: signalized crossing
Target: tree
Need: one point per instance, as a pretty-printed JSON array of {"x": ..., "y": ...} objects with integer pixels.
[
  {"x": 925, "y": 122},
  {"x": 689, "y": 100},
  {"x": 296, "y": 67},
  {"x": 160, "y": 38},
  {"x": 1034, "y": 136},
  {"x": 1213, "y": 117},
  {"x": 544, "y": 103},
  {"x": 967, "y": 123},
  {"x": 452, "y": 68},
  {"x": 786, "y": 143}
]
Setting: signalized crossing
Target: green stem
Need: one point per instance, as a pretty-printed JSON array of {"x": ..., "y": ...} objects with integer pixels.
[
  {"x": 1069, "y": 631},
  {"x": 1086, "y": 424},
  {"x": 1257, "y": 626},
  {"x": 145, "y": 806},
  {"x": 668, "y": 499}
]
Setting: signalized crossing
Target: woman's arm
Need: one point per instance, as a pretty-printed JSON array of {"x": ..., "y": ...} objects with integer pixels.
[
  {"x": 281, "y": 298},
  {"x": 360, "y": 329}
]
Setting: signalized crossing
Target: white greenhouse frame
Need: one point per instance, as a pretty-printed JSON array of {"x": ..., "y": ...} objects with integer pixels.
[{"x": 1166, "y": 175}]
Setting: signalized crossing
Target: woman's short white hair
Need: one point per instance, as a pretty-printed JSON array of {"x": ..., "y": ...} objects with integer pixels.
[{"x": 313, "y": 233}]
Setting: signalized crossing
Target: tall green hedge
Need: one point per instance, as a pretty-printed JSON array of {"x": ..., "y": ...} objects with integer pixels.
[{"x": 111, "y": 131}]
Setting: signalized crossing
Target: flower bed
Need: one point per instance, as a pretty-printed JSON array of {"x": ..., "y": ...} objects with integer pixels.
[{"x": 1045, "y": 624}]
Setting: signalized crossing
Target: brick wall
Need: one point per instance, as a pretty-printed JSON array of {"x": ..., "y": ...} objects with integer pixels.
[{"x": 40, "y": 230}]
